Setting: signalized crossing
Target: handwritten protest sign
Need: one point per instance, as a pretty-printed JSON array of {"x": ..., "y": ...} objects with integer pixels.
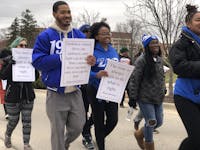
[
  {"x": 23, "y": 71},
  {"x": 75, "y": 70},
  {"x": 112, "y": 88}
]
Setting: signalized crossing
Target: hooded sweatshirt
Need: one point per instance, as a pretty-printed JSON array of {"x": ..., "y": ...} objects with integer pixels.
[
  {"x": 46, "y": 55},
  {"x": 102, "y": 56}
]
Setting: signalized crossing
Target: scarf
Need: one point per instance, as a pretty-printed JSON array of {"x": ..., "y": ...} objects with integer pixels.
[{"x": 192, "y": 34}]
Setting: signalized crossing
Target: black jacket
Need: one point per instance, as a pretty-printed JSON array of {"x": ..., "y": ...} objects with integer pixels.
[
  {"x": 16, "y": 91},
  {"x": 184, "y": 57},
  {"x": 145, "y": 90}
]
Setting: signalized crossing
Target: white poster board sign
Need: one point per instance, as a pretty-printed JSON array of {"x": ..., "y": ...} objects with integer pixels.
[
  {"x": 112, "y": 88},
  {"x": 23, "y": 71},
  {"x": 75, "y": 70}
]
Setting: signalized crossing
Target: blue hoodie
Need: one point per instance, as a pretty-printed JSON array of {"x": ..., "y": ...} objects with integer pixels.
[
  {"x": 46, "y": 56},
  {"x": 188, "y": 88},
  {"x": 101, "y": 61}
]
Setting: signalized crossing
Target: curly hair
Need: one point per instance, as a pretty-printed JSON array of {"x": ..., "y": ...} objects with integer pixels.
[{"x": 94, "y": 29}]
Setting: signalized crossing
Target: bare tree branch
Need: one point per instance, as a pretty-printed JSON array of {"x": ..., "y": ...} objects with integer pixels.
[
  {"x": 88, "y": 17},
  {"x": 164, "y": 17}
]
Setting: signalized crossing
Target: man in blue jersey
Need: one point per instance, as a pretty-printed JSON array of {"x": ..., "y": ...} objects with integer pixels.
[{"x": 64, "y": 105}]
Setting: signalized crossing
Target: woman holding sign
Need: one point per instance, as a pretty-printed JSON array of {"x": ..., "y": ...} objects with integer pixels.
[
  {"x": 147, "y": 86},
  {"x": 19, "y": 98},
  {"x": 102, "y": 109}
]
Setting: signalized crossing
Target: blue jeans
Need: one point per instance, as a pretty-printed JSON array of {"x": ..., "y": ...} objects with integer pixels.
[{"x": 153, "y": 115}]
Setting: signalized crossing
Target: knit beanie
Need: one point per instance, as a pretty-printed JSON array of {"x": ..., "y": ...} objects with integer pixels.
[
  {"x": 16, "y": 42},
  {"x": 123, "y": 50},
  {"x": 84, "y": 28},
  {"x": 146, "y": 39}
]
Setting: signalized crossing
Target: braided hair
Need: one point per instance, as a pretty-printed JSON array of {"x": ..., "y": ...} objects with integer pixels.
[{"x": 150, "y": 68}]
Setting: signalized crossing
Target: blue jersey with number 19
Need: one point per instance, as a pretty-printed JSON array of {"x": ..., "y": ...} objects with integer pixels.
[{"x": 46, "y": 55}]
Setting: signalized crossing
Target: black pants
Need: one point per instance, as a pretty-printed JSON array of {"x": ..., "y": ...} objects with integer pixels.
[
  {"x": 101, "y": 110},
  {"x": 190, "y": 115},
  {"x": 89, "y": 120}
]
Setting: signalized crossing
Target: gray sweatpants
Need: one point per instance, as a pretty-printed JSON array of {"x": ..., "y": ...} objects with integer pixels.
[{"x": 65, "y": 110}]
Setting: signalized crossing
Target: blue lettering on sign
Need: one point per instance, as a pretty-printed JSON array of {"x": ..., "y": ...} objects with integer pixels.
[{"x": 103, "y": 61}]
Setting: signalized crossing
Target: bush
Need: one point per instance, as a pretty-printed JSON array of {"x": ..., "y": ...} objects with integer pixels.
[
  {"x": 38, "y": 84},
  {"x": 167, "y": 77}
]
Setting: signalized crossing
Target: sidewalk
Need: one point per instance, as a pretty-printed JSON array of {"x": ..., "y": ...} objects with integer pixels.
[
  {"x": 2, "y": 147},
  {"x": 171, "y": 133}
]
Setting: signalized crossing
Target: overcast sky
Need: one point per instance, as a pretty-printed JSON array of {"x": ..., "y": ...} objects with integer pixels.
[{"x": 113, "y": 10}]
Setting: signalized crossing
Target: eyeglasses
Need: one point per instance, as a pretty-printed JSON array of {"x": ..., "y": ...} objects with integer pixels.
[
  {"x": 105, "y": 34},
  {"x": 22, "y": 45}
]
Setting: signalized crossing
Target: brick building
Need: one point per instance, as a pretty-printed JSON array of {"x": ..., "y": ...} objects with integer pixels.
[{"x": 120, "y": 39}]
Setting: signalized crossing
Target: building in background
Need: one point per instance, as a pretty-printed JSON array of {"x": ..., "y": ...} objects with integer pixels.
[{"x": 120, "y": 39}]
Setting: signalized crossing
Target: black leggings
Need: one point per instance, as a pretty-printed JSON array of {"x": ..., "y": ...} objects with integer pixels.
[
  {"x": 101, "y": 110},
  {"x": 14, "y": 110},
  {"x": 190, "y": 115}
]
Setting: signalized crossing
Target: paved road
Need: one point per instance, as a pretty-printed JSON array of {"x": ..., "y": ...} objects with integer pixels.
[{"x": 171, "y": 133}]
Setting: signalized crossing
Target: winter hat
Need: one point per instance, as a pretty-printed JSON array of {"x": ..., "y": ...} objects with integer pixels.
[
  {"x": 16, "y": 42},
  {"x": 123, "y": 50},
  {"x": 84, "y": 28},
  {"x": 146, "y": 39}
]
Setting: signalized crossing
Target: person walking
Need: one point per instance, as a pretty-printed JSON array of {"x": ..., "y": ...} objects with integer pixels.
[
  {"x": 124, "y": 58},
  {"x": 3, "y": 54},
  {"x": 86, "y": 133},
  {"x": 101, "y": 109},
  {"x": 86, "y": 30},
  {"x": 19, "y": 98},
  {"x": 64, "y": 105},
  {"x": 147, "y": 86},
  {"x": 184, "y": 57}
]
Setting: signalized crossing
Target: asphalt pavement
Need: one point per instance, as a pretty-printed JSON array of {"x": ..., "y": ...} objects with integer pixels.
[{"x": 170, "y": 134}]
